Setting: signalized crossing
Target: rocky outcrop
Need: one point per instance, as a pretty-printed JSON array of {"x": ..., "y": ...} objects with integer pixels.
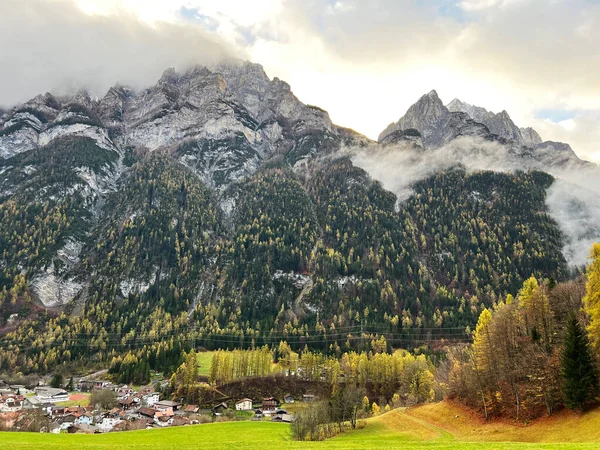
[
  {"x": 435, "y": 122},
  {"x": 530, "y": 137}
]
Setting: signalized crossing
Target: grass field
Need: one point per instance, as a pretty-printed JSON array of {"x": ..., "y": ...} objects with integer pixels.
[
  {"x": 431, "y": 427},
  {"x": 204, "y": 360},
  {"x": 80, "y": 399}
]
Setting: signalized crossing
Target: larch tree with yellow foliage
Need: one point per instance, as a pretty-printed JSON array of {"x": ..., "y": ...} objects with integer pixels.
[{"x": 591, "y": 301}]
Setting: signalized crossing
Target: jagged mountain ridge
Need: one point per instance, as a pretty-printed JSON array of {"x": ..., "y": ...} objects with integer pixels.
[
  {"x": 217, "y": 198},
  {"x": 222, "y": 123},
  {"x": 439, "y": 124}
]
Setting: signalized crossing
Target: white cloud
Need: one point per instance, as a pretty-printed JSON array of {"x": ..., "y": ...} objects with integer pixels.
[
  {"x": 365, "y": 62},
  {"x": 49, "y": 45},
  {"x": 478, "y": 5},
  {"x": 573, "y": 200}
]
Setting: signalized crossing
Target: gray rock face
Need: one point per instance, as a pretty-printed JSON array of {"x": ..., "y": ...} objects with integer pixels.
[
  {"x": 531, "y": 137},
  {"x": 439, "y": 124},
  {"x": 411, "y": 136},
  {"x": 475, "y": 112},
  {"x": 427, "y": 116},
  {"x": 435, "y": 122},
  {"x": 500, "y": 124},
  {"x": 222, "y": 121}
]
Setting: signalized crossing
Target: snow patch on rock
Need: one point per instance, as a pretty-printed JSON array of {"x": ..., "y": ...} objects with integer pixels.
[
  {"x": 299, "y": 280},
  {"x": 132, "y": 286},
  {"x": 53, "y": 290},
  {"x": 78, "y": 129}
]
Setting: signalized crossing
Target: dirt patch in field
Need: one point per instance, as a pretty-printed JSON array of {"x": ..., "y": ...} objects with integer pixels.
[{"x": 78, "y": 397}]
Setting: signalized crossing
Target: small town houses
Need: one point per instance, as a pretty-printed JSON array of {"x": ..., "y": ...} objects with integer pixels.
[
  {"x": 10, "y": 402},
  {"x": 134, "y": 409}
]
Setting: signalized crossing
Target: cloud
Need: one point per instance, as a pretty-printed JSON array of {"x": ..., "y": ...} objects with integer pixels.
[
  {"x": 367, "y": 62},
  {"x": 54, "y": 44},
  {"x": 364, "y": 62},
  {"x": 573, "y": 200}
]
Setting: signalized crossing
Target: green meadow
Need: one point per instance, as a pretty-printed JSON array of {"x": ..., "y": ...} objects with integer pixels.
[{"x": 432, "y": 427}]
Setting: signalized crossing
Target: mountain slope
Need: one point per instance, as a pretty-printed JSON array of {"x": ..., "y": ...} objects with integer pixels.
[{"x": 215, "y": 208}]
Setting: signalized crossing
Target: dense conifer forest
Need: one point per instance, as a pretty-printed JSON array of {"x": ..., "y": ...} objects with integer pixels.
[{"x": 320, "y": 255}]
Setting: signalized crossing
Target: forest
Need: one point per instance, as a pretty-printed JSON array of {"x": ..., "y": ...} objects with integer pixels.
[{"x": 321, "y": 256}]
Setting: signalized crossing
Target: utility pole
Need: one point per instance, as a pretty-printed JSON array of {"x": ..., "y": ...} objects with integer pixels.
[{"x": 362, "y": 333}]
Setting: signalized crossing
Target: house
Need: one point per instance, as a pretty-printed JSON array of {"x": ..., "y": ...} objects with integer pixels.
[
  {"x": 83, "y": 419},
  {"x": 49, "y": 394},
  {"x": 147, "y": 412},
  {"x": 244, "y": 404},
  {"x": 75, "y": 410},
  {"x": 129, "y": 402},
  {"x": 19, "y": 389},
  {"x": 124, "y": 392},
  {"x": 66, "y": 421},
  {"x": 258, "y": 414},
  {"x": 56, "y": 411},
  {"x": 288, "y": 398},
  {"x": 282, "y": 418},
  {"x": 164, "y": 418},
  {"x": 180, "y": 420},
  {"x": 308, "y": 398},
  {"x": 108, "y": 422},
  {"x": 11, "y": 402},
  {"x": 46, "y": 408},
  {"x": 269, "y": 404},
  {"x": 166, "y": 404},
  {"x": 191, "y": 409},
  {"x": 90, "y": 385},
  {"x": 219, "y": 409},
  {"x": 151, "y": 399}
]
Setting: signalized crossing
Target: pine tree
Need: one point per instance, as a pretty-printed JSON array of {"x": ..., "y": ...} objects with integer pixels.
[
  {"x": 591, "y": 301},
  {"x": 580, "y": 380},
  {"x": 57, "y": 381}
]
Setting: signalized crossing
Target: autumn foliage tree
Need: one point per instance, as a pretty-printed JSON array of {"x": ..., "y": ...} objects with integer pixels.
[{"x": 591, "y": 300}]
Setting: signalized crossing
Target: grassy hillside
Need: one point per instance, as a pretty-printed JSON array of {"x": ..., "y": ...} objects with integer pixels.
[
  {"x": 204, "y": 361},
  {"x": 565, "y": 426},
  {"x": 427, "y": 427}
]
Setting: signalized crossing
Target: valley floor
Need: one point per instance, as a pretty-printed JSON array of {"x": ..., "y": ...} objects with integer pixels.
[{"x": 434, "y": 426}]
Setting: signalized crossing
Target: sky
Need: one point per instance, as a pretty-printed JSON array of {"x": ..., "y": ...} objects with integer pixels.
[{"x": 365, "y": 62}]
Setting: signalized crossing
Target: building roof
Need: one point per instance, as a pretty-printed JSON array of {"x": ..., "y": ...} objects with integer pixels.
[
  {"x": 283, "y": 418},
  {"x": 222, "y": 404},
  {"x": 243, "y": 400},
  {"x": 50, "y": 391},
  {"x": 191, "y": 408},
  {"x": 150, "y": 412},
  {"x": 168, "y": 403}
]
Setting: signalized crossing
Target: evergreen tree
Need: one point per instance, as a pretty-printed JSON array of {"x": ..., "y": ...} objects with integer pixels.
[
  {"x": 580, "y": 380},
  {"x": 57, "y": 381},
  {"x": 71, "y": 385}
]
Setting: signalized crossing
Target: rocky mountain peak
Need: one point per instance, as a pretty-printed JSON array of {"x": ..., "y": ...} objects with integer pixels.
[
  {"x": 530, "y": 137},
  {"x": 500, "y": 124}
]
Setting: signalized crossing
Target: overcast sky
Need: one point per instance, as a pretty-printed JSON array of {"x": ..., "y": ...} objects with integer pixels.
[{"x": 364, "y": 61}]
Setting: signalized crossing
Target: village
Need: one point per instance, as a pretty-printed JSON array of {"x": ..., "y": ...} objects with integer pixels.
[{"x": 121, "y": 408}]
